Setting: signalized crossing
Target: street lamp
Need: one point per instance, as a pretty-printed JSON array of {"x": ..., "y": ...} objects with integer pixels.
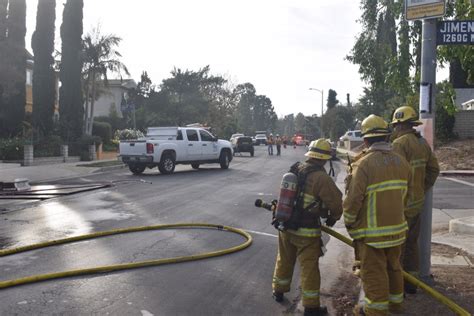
[{"x": 322, "y": 98}]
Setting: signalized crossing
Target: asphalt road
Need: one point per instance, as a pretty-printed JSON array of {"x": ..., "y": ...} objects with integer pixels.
[{"x": 236, "y": 284}]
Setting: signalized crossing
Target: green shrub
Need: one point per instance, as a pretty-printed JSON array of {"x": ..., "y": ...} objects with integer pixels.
[
  {"x": 11, "y": 148},
  {"x": 110, "y": 147},
  {"x": 48, "y": 147},
  {"x": 104, "y": 130}
]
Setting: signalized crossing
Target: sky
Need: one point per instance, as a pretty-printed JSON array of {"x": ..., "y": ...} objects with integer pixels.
[{"x": 282, "y": 47}]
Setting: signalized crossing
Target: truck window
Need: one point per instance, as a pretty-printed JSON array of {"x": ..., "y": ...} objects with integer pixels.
[
  {"x": 180, "y": 135},
  {"x": 358, "y": 134},
  {"x": 205, "y": 136},
  {"x": 192, "y": 135}
]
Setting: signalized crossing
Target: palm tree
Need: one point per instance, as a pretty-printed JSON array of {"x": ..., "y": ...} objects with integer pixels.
[{"x": 100, "y": 57}]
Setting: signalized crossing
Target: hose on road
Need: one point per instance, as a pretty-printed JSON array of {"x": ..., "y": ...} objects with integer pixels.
[
  {"x": 123, "y": 266},
  {"x": 409, "y": 278}
]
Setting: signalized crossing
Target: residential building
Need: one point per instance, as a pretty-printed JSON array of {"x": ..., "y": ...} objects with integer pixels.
[{"x": 113, "y": 97}]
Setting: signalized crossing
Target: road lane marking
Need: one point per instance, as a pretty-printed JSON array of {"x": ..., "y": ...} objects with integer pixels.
[
  {"x": 459, "y": 181},
  {"x": 261, "y": 233}
]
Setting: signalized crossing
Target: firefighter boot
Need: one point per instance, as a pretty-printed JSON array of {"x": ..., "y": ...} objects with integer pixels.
[
  {"x": 409, "y": 288},
  {"x": 315, "y": 311},
  {"x": 359, "y": 310},
  {"x": 278, "y": 297}
]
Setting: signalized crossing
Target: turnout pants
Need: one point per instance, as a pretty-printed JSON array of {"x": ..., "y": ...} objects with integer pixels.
[
  {"x": 410, "y": 253},
  {"x": 307, "y": 250},
  {"x": 382, "y": 279}
]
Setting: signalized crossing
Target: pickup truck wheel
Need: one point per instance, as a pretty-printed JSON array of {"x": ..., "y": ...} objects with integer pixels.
[
  {"x": 224, "y": 159},
  {"x": 166, "y": 165},
  {"x": 195, "y": 166},
  {"x": 136, "y": 169}
]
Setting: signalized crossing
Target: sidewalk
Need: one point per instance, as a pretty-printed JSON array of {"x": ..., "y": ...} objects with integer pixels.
[{"x": 36, "y": 174}]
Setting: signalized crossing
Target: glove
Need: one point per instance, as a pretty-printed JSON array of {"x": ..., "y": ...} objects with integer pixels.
[{"x": 330, "y": 221}]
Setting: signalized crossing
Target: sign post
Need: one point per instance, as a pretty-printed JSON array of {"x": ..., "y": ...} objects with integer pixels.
[{"x": 428, "y": 11}]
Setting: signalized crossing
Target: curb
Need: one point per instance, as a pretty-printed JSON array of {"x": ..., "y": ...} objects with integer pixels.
[
  {"x": 463, "y": 225},
  {"x": 110, "y": 168},
  {"x": 464, "y": 173}
]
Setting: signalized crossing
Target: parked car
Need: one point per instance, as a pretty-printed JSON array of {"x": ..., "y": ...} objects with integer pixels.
[
  {"x": 234, "y": 136},
  {"x": 260, "y": 139},
  {"x": 243, "y": 144},
  {"x": 166, "y": 147},
  {"x": 352, "y": 136}
]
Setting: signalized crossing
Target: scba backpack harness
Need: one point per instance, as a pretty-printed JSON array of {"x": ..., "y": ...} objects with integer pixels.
[{"x": 290, "y": 212}]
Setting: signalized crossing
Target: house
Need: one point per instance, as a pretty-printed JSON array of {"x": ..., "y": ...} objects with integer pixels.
[
  {"x": 464, "y": 96},
  {"x": 113, "y": 97},
  {"x": 30, "y": 65},
  {"x": 468, "y": 105}
]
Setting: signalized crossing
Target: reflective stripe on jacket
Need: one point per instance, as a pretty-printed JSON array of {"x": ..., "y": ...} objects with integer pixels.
[
  {"x": 318, "y": 184},
  {"x": 375, "y": 202},
  {"x": 424, "y": 167}
]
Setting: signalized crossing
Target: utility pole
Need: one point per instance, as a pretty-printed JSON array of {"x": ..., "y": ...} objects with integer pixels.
[
  {"x": 322, "y": 109},
  {"x": 427, "y": 115}
]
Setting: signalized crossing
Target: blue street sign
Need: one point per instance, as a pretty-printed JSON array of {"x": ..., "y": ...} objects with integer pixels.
[{"x": 455, "y": 32}]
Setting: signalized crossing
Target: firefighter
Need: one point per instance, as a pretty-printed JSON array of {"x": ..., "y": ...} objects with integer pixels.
[
  {"x": 302, "y": 239},
  {"x": 425, "y": 169},
  {"x": 278, "y": 142},
  {"x": 374, "y": 217},
  {"x": 270, "y": 144},
  {"x": 347, "y": 181}
]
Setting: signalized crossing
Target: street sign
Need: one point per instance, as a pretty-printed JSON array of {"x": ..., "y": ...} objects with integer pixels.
[
  {"x": 455, "y": 32},
  {"x": 424, "y": 9}
]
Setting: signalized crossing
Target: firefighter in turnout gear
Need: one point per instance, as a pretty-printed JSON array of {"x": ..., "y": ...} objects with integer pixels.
[
  {"x": 374, "y": 217},
  {"x": 408, "y": 143},
  {"x": 347, "y": 182},
  {"x": 301, "y": 239}
]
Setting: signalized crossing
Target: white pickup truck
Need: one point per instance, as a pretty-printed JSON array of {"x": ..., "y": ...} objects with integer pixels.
[{"x": 167, "y": 146}]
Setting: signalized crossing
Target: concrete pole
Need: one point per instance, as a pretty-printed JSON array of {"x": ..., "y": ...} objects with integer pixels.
[
  {"x": 428, "y": 76},
  {"x": 322, "y": 109}
]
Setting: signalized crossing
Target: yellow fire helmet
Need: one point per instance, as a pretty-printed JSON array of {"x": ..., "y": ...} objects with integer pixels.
[
  {"x": 319, "y": 149},
  {"x": 373, "y": 126},
  {"x": 405, "y": 114}
]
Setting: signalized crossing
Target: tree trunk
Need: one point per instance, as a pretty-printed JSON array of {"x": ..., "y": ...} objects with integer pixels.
[
  {"x": 86, "y": 111},
  {"x": 91, "y": 116}
]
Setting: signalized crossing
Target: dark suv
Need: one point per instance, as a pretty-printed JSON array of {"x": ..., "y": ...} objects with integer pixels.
[{"x": 243, "y": 144}]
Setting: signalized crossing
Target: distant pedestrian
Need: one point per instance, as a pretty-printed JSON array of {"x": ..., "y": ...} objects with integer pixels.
[
  {"x": 270, "y": 144},
  {"x": 278, "y": 144}
]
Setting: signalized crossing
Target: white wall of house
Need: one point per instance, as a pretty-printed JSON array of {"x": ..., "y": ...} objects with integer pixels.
[
  {"x": 108, "y": 100},
  {"x": 112, "y": 97}
]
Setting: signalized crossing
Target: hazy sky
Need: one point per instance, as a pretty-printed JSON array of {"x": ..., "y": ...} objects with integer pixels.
[{"x": 282, "y": 47}]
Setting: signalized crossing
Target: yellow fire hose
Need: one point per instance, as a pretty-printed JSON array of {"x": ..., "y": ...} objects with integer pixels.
[
  {"x": 408, "y": 277},
  {"x": 123, "y": 266}
]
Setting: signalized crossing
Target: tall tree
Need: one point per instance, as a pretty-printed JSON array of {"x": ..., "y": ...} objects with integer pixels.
[
  {"x": 12, "y": 67},
  {"x": 3, "y": 20},
  {"x": 332, "y": 99},
  {"x": 246, "y": 100},
  {"x": 71, "y": 108},
  {"x": 44, "y": 81},
  {"x": 100, "y": 57}
]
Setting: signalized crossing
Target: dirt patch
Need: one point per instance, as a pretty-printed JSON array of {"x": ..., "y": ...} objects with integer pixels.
[
  {"x": 457, "y": 283},
  {"x": 456, "y": 155},
  {"x": 346, "y": 294}
]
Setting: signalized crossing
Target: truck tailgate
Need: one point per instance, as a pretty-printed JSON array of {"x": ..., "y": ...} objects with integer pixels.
[{"x": 132, "y": 148}]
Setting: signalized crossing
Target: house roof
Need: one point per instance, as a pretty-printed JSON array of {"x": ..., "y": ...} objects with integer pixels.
[
  {"x": 125, "y": 83},
  {"x": 470, "y": 102}
]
